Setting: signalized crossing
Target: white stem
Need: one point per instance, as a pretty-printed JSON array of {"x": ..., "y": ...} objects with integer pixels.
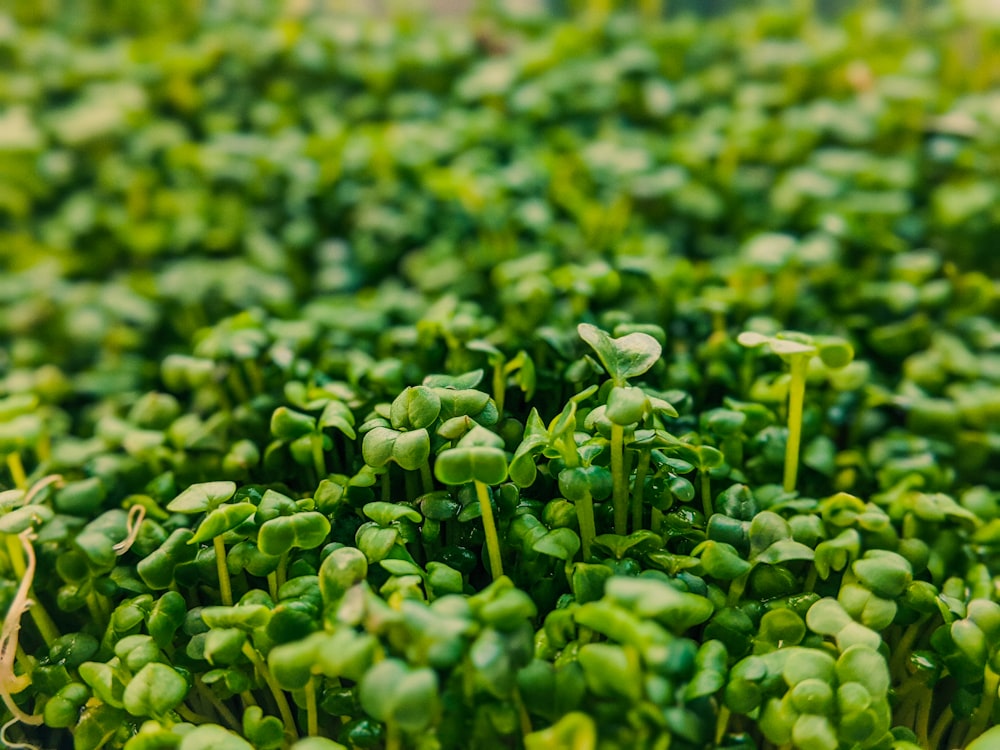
[{"x": 9, "y": 682}]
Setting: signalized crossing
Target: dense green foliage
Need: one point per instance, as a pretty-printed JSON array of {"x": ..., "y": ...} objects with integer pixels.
[{"x": 613, "y": 383}]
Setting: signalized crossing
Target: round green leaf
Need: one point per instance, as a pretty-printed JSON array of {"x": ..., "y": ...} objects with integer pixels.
[
  {"x": 303, "y": 530},
  {"x": 341, "y": 569},
  {"x": 288, "y": 424},
  {"x": 201, "y": 497},
  {"x": 415, "y": 408},
  {"x": 625, "y": 357},
  {"x": 154, "y": 691},
  {"x": 222, "y": 519}
]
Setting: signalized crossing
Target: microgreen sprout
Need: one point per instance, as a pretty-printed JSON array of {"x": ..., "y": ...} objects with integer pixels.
[
  {"x": 798, "y": 349},
  {"x": 626, "y": 357},
  {"x": 478, "y": 458}
]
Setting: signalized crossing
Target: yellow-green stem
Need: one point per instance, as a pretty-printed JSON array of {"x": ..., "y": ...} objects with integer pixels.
[
  {"x": 39, "y": 615},
  {"x": 279, "y": 695},
  {"x": 225, "y": 589},
  {"x": 15, "y": 554},
  {"x": 901, "y": 651},
  {"x": 248, "y": 700},
  {"x": 796, "y": 399},
  {"x": 190, "y": 716},
  {"x": 499, "y": 387},
  {"x": 619, "y": 497},
  {"x": 588, "y": 528},
  {"x": 522, "y": 713},
  {"x": 958, "y": 730},
  {"x": 706, "y": 495},
  {"x": 221, "y": 708},
  {"x": 16, "y": 468},
  {"x": 810, "y": 582},
  {"x": 656, "y": 520},
  {"x": 393, "y": 740},
  {"x": 319, "y": 460},
  {"x": 426, "y": 478},
  {"x": 639, "y": 489},
  {"x": 281, "y": 574},
  {"x": 922, "y": 719},
  {"x": 937, "y": 733},
  {"x": 412, "y": 489},
  {"x": 43, "y": 448},
  {"x": 983, "y": 714},
  {"x": 272, "y": 585},
  {"x": 721, "y": 725},
  {"x": 312, "y": 718},
  {"x": 95, "y": 610},
  {"x": 490, "y": 527}
]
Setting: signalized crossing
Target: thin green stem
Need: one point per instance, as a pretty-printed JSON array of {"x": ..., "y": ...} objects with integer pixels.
[
  {"x": 810, "y": 582},
  {"x": 656, "y": 520},
  {"x": 412, "y": 488},
  {"x": 426, "y": 478},
  {"x": 272, "y": 585},
  {"x": 721, "y": 725},
  {"x": 706, "y": 494},
  {"x": 225, "y": 588},
  {"x": 639, "y": 489},
  {"x": 901, "y": 652},
  {"x": 279, "y": 695},
  {"x": 281, "y": 574},
  {"x": 906, "y": 712},
  {"x": 221, "y": 708},
  {"x": 16, "y": 555},
  {"x": 619, "y": 497},
  {"x": 921, "y": 722},
  {"x": 940, "y": 726},
  {"x": 499, "y": 387},
  {"x": 393, "y": 739},
  {"x": 522, "y": 713},
  {"x": 16, "y": 468},
  {"x": 985, "y": 711},
  {"x": 958, "y": 730},
  {"x": 43, "y": 448},
  {"x": 490, "y": 527},
  {"x": 190, "y": 716},
  {"x": 312, "y": 717},
  {"x": 319, "y": 460},
  {"x": 588, "y": 527},
  {"x": 796, "y": 400},
  {"x": 95, "y": 610}
]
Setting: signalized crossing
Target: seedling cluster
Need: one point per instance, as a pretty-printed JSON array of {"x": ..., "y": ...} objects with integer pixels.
[{"x": 390, "y": 385}]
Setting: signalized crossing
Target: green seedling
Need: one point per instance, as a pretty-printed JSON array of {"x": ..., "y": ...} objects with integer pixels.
[
  {"x": 478, "y": 457},
  {"x": 626, "y": 357},
  {"x": 210, "y": 498},
  {"x": 798, "y": 349}
]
